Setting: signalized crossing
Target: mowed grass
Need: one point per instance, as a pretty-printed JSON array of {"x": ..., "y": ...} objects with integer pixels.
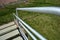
[
  {"x": 46, "y": 24},
  {"x": 6, "y": 13}
]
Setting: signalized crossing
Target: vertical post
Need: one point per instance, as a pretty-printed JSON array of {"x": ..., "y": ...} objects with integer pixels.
[{"x": 16, "y": 12}]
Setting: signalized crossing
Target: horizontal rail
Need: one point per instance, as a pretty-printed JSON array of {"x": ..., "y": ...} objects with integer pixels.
[
  {"x": 31, "y": 29},
  {"x": 49, "y": 10},
  {"x": 32, "y": 36},
  {"x": 22, "y": 33},
  {"x": 28, "y": 31}
]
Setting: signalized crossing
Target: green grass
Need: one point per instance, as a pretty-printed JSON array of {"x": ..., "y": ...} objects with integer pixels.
[
  {"x": 46, "y": 24},
  {"x": 9, "y": 9}
]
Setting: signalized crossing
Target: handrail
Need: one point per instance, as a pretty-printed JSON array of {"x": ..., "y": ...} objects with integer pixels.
[
  {"x": 21, "y": 32},
  {"x": 32, "y": 30},
  {"x": 50, "y": 10},
  {"x": 32, "y": 36}
]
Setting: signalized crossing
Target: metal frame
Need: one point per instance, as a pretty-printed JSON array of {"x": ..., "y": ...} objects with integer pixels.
[
  {"x": 50, "y": 10},
  {"x": 32, "y": 36}
]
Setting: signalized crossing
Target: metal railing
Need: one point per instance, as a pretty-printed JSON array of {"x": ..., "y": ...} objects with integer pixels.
[{"x": 51, "y": 10}]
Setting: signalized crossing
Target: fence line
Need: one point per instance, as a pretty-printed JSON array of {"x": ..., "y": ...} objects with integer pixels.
[
  {"x": 21, "y": 32},
  {"x": 32, "y": 36},
  {"x": 50, "y": 10},
  {"x": 32, "y": 30}
]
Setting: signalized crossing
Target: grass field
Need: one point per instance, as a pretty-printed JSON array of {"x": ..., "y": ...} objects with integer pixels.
[
  {"x": 6, "y": 13},
  {"x": 46, "y": 24}
]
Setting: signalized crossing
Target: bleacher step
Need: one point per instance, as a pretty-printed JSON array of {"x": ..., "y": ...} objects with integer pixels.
[
  {"x": 6, "y": 25},
  {"x": 8, "y": 35},
  {"x": 6, "y": 30},
  {"x": 18, "y": 38}
]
